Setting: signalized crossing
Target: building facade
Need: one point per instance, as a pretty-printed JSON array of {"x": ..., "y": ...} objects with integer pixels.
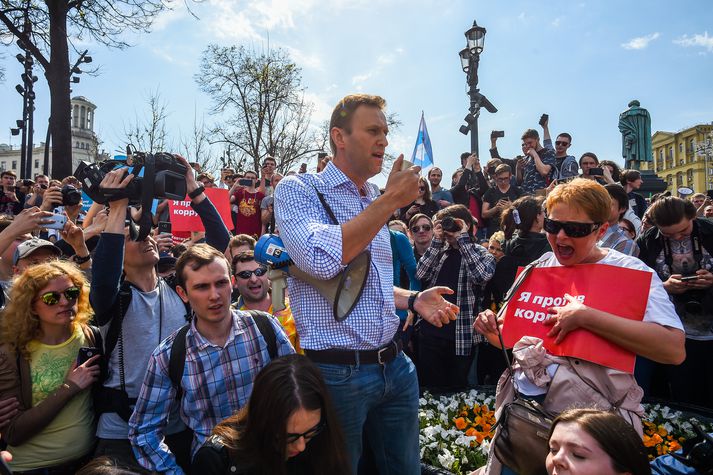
[
  {"x": 685, "y": 158},
  {"x": 84, "y": 142}
]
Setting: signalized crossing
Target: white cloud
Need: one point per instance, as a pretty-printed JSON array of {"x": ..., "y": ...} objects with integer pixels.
[
  {"x": 360, "y": 78},
  {"x": 703, "y": 40},
  {"x": 304, "y": 60},
  {"x": 640, "y": 42},
  {"x": 556, "y": 22},
  {"x": 322, "y": 108}
]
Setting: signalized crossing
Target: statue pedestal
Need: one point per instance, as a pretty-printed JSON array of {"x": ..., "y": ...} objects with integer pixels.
[{"x": 652, "y": 184}]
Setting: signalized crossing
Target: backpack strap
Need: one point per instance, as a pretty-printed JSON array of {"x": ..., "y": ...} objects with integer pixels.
[
  {"x": 262, "y": 320},
  {"x": 177, "y": 360}
]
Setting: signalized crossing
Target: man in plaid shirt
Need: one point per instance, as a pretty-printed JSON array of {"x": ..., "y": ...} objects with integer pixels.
[
  {"x": 453, "y": 260},
  {"x": 224, "y": 352}
]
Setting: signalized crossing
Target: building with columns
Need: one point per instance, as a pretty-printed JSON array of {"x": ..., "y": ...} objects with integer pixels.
[
  {"x": 84, "y": 142},
  {"x": 684, "y": 158}
]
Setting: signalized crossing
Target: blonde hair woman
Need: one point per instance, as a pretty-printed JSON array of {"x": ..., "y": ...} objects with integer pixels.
[{"x": 42, "y": 330}]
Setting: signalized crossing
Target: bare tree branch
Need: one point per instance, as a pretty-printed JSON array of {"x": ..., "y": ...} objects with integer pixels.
[{"x": 260, "y": 100}]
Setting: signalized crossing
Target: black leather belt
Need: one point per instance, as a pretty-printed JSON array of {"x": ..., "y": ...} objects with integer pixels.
[{"x": 381, "y": 356}]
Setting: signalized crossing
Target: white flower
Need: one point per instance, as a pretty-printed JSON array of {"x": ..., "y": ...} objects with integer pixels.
[{"x": 446, "y": 459}]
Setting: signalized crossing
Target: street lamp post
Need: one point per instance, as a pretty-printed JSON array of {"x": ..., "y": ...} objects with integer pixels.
[
  {"x": 470, "y": 59},
  {"x": 83, "y": 58},
  {"x": 26, "y": 90}
]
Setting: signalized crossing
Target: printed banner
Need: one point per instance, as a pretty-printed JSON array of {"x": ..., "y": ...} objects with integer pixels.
[
  {"x": 616, "y": 290},
  {"x": 184, "y": 219}
]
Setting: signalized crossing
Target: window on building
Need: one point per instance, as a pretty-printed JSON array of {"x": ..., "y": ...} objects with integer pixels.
[
  {"x": 82, "y": 117},
  {"x": 3, "y": 165},
  {"x": 14, "y": 164},
  {"x": 37, "y": 163},
  {"x": 692, "y": 144},
  {"x": 679, "y": 179},
  {"x": 680, "y": 147},
  {"x": 690, "y": 176}
]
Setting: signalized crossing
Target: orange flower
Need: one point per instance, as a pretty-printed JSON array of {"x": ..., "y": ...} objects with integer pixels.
[
  {"x": 470, "y": 432},
  {"x": 674, "y": 446},
  {"x": 460, "y": 423}
]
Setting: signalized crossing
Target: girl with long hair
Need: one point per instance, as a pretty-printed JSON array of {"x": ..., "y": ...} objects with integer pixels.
[
  {"x": 287, "y": 427},
  {"x": 590, "y": 441},
  {"x": 42, "y": 330}
]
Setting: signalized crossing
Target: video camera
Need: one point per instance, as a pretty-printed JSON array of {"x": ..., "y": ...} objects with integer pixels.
[{"x": 164, "y": 177}]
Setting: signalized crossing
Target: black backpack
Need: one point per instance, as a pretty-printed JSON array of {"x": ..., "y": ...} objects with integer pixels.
[
  {"x": 180, "y": 443},
  {"x": 177, "y": 359}
]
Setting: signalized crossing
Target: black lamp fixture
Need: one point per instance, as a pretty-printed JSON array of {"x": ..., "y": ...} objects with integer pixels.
[{"x": 469, "y": 60}]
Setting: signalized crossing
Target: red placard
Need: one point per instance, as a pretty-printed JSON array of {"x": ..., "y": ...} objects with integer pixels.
[
  {"x": 184, "y": 219},
  {"x": 616, "y": 290}
]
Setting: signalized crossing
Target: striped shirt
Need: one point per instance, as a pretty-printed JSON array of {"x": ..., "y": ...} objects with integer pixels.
[
  {"x": 216, "y": 382},
  {"x": 315, "y": 245},
  {"x": 614, "y": 238}
]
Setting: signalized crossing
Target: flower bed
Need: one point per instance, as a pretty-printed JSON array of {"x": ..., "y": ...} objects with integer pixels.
[{"x": 456, "y": 430}]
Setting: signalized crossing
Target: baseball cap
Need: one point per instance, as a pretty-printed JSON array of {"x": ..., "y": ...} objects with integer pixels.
[{"x": 25, "y": 249}]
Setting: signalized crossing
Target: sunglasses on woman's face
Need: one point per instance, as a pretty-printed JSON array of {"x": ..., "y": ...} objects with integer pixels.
[
  {"x": 246, "y": 274},
  {"x": 311, "y": 433},
  {"x": 425, "y": 228},
  {"x": 52, "y": 298},
  {"x": 571, "y": 228}
]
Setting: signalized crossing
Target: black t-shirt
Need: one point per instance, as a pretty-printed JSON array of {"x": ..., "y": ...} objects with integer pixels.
[
  {"x": 492, "y": 196},
  {"x": 447, "y": 277}
]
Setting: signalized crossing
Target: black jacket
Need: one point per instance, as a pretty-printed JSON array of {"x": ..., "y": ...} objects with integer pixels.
[
  {"x": 651, "y": 241},
  {"x": 526, "y": 246}
]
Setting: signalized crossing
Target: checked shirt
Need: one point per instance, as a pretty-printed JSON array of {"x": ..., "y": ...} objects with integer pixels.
[{"x": 477, "y": 267}]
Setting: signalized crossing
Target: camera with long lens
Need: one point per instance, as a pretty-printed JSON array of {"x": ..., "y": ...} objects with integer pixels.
[
  {"x": 71, "y": 196},
  {"x": 163, "y": 177}
]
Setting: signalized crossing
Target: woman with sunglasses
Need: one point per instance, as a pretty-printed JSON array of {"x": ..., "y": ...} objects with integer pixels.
[
  {"x": 577, "y": 214},
  {"x": 42, "y": 330},
  {"x": 423, "y": 204},
  {"x": 287, "y": 427}
]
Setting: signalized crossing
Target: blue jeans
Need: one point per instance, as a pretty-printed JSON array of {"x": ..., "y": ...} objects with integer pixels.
[{"x": 382, "y": 402}]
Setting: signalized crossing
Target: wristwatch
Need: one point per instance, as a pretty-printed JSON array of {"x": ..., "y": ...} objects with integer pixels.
[
  {"x": 81, "y": 260},
  {"x": 412, "y": 301},
  {"x": 194, "y": 194}
]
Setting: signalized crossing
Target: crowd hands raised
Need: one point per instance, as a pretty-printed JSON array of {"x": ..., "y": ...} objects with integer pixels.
[{"x": 241, "y": 397}]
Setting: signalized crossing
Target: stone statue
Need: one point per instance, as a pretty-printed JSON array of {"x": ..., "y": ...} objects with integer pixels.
[{"x": 635, "y": 128}]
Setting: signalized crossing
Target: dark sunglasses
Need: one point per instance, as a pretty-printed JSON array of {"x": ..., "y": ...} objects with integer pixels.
[
  {"x": 418, "y": 229},
  {"x": 52, "y": 298},
  {"x": 562, "y": 144},
  {"x": 246, "y": 274},
  {"x": 571, "y": 228},
  {"x": 292, "y": 438}
]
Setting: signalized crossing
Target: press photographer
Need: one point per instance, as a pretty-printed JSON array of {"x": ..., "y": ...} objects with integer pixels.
[{"x": 679, "y": 249}]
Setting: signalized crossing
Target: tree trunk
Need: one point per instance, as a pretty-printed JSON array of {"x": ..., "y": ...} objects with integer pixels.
[{"x": 58, "y": 81}]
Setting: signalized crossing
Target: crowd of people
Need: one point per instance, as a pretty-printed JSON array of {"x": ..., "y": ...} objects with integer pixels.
[{"x": 157, "y": 356}]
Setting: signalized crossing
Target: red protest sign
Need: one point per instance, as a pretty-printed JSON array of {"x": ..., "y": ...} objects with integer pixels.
[
  {"x": 594, "y": 285},
  {"x": 184, "y": 219}
]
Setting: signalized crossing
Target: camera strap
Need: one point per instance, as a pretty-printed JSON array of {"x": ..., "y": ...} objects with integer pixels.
[
  {"x": 697, "y": 250},
  {"x": 146, "y": 220}
]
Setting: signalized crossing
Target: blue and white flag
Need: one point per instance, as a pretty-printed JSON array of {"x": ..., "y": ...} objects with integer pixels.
[{"x": 422, "y": 152}]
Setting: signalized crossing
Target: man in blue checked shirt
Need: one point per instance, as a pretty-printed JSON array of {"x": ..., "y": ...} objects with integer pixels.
[
  {"x": 224, "y": 352},
  {"x": 373, "y": 384}
]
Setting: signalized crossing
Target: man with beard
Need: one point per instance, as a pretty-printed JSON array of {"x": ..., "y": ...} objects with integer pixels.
[
  {"x": 438, "y": 194},
  {"x": 251, "y": 283}
]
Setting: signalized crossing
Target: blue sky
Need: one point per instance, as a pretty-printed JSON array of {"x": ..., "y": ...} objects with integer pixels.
[{"x": 581, "y": 62}]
